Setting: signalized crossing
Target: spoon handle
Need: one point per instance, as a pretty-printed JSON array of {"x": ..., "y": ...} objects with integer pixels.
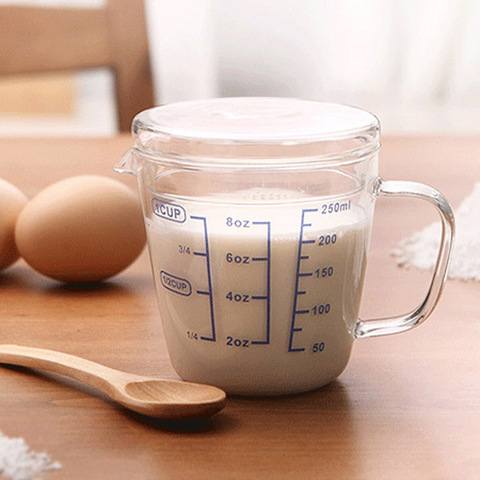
[{"x": 85, "y": 371}]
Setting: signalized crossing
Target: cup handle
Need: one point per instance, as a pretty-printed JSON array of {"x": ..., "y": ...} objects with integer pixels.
[{"x": 402, "y": 323}]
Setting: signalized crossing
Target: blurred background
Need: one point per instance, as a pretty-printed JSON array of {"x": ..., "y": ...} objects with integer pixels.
[{"x": 415, "y": 63}]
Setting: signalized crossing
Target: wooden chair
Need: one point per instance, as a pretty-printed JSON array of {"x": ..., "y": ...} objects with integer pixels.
[{"x": 35, "y": 40}]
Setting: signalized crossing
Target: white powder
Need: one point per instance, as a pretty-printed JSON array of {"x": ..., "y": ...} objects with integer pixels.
[
  {"x": 18, "y": 462},
  {"x": 421, "y": 249}
]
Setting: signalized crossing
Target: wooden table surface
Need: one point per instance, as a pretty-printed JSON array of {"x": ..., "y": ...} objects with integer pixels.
[{"x": 407, "y": 406}]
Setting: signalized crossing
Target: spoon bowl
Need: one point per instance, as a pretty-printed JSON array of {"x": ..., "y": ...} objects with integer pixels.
[{"x": 152, "y": 396}]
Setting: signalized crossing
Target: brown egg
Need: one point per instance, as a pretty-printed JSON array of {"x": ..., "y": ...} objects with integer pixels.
[
  {"x": 12, "y": 200},
  {"x": 81, "y": 229}
]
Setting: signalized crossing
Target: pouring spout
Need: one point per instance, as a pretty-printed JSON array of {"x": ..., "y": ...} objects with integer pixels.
[{"x": 127, "y": 163}]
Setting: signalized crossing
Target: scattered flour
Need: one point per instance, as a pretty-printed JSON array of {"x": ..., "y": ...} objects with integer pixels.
[
  {"x": 18, "y": 462},
  {"x": 420, "y": 250}
]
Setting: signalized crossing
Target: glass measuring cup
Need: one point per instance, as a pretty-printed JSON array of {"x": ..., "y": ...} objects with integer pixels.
[{"x": 258, "y": 214}]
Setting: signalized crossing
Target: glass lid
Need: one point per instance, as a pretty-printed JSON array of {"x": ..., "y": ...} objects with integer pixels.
[{"x": 252, "y": 129}]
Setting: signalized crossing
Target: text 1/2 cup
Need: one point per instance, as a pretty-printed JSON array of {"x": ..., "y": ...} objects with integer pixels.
[{"x": 258, "y": 213}]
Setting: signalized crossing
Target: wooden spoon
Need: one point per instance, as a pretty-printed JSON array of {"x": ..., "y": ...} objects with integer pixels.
[{"x": 155, "y": 397}]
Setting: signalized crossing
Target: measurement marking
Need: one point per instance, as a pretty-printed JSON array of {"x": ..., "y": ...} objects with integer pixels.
[
  {"x": 200, "y": 254},
  {"x": 303, "y": 292},
  {"x": 308, "y": 241},
  {"x": 298, "y": 349},
  {"x": 266, "y": 259},
  {"x": 209, "y": 277},
  {"x": 300, "y": 257},
  {"x": 257, "y": 297},
  {"x": 307, "y": 274}
]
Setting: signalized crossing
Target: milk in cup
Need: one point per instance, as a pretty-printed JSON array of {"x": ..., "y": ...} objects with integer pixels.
[{"x": 259, "y": 300}]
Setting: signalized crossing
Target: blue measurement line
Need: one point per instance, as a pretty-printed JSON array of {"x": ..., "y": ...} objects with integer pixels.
[
  {"x": 259, "y": 297},
  {"x": 200, "y": 254},
  {"x": 209, "y": 277},
  {"x": 308, "y": 241},
  {"x": 267, "y": 259},
  {"x": 306, "y": 274},
  {"x": 293, "y": 327}
]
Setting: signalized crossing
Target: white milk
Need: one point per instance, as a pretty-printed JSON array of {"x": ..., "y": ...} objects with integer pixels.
[{"x": 258, "y": 300}]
